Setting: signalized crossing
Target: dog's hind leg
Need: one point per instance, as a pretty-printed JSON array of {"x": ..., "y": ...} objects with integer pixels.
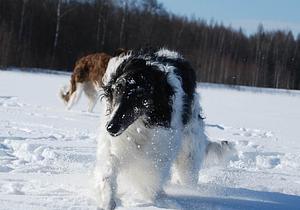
[
  {"x": 92, "y": 94},
  {"x": 217, "y": 153},
  {"x": 185, "y": 169},
  {"x": 92, "y": 103},
  {"x": 75, "y": 96},
  {"x": 190, "y": 158}
]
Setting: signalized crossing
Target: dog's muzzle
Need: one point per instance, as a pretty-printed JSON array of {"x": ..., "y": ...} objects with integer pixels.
[{"x": 114, "y": 129}]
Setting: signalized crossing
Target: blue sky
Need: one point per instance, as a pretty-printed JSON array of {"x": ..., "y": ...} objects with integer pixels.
[{"x": 274, "y": 14}]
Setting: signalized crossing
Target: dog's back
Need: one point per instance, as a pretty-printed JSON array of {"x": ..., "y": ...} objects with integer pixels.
[{"x": 91, "y": 68}]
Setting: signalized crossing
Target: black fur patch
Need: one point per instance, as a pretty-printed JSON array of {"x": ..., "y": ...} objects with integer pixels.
[{"x": 188, "y": 79}]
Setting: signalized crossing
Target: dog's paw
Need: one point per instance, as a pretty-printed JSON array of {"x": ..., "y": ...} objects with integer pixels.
[
  {"x": 112, "y": 205},
  {"x": 228, "y": 147},
  {"x": 219, "y": 153}
]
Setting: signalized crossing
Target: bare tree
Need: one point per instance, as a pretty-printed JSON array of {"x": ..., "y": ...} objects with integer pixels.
[
  {"x": 123, "y": 21},
  {"x": 24, "y": 2},
  {"x": 57, "y": 30},
  {"x": 99, "y": 4}
]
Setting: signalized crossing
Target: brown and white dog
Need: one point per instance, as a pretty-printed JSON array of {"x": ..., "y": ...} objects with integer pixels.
[{"x": 86, "y": 77}]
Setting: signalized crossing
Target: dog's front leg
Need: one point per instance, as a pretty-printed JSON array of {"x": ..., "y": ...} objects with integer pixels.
[{"x": 106, "y": 175}]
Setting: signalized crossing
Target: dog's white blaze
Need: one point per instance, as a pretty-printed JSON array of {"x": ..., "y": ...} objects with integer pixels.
[
  {"x": 176, "y": 84},
  {"x": 112, "y": 66},
  {"x": 177, "y": 99}
]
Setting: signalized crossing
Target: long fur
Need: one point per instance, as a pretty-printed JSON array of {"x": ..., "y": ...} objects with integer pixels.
[{"x": 133, "y": 165}]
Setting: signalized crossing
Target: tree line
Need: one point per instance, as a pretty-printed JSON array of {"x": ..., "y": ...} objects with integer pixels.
[{"x": 54, "y": 33}]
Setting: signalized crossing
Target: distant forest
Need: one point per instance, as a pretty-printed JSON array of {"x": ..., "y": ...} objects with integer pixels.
[{"x": 54, "y": 33}]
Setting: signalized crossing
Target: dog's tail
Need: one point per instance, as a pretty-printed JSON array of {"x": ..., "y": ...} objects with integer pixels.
[
  {"x": 67, "y": 91},
  {"x": 219, "y": 153}
]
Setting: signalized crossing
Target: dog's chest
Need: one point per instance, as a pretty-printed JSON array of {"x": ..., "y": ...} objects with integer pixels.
[{"x": 140, "y": 142}]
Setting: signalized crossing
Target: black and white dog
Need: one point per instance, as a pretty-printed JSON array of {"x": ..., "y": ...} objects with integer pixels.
[{"x": 153, "y": 130}]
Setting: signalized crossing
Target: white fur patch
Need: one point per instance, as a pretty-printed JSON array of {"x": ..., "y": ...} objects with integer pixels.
[
  {"x": 176, "y": 84},
  {"x": 112, "y": 67},
  {"x": 168, "y": 54},
  {"x": 177, "y": 105},
  {"x": 138, "y": 148}
]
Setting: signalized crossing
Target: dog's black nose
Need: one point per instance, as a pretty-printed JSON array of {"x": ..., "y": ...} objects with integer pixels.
[{"x": 113, "y": 129}]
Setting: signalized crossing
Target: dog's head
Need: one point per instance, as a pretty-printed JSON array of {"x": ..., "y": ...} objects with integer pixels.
[
  {"x": 134, "y": 94},
  {"x": 129, "y": 96}
]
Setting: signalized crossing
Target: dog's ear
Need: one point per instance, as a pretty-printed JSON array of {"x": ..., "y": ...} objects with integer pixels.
[{"x": 120, "y": 51}]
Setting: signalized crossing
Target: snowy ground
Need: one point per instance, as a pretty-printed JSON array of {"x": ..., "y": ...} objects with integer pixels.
[{"x": 47, "y": 154}]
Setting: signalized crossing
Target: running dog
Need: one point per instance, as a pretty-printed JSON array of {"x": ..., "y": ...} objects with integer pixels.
[
  {"x": 153, "y": 131},
  {"x": 86, "y": 77}
]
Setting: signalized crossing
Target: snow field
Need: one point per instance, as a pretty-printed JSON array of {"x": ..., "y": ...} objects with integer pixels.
[{"x": 47, "y": 154}]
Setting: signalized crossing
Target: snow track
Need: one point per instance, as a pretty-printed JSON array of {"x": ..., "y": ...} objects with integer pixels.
[{"x": 47, "y": 154}]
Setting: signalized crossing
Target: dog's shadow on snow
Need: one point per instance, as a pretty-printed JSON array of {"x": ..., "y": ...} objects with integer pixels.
[{"x": 232, "y": 198}]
